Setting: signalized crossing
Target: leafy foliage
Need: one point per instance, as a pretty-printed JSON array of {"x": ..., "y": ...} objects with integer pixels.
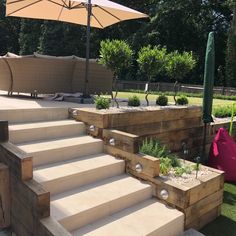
[
  {"x": 152, "y": 60},
  {"x": 231, "y": 52},
  {"x": 223, "y": 111},
  {"x": 29, "y": 41},
  {"x": 188, "y": 33},
  {"x": 180, "y": 170},
  {"x": 134, "y": 101},
  {"x": 179, "y": 65},
  {"x": 102, "y": 103},
  {"x": 115, "y": 55},
  {"x": 162, "y": 100},
  {"x": 182, "y": 100},
  {"x": 154, "y": 148},
  {"x": 165, "y": 165}
]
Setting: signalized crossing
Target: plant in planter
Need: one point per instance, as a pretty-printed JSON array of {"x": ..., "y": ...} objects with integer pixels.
[
  {"x": 134, "y": 101},
  {"x": 162, "y": 100},
  {"x": 102, "y": 103},
  {"x": 178, "y": 66},
  {"x": 152, "y": 62},
  {"x": 182, "y": 100},
  {"x": 154, "y": 148},
  {"x": 116, "y": 55}
]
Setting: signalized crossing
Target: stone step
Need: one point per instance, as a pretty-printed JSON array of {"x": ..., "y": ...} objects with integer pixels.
[
  {"x": 26, "y": 132},
  {"x": 56, "y": 150},
  {"x": 34, "y": 114},
  {"x": 87, "y": 204},
  {"x": 64, "y": 176},
  {"x": 150, "y": 217}
]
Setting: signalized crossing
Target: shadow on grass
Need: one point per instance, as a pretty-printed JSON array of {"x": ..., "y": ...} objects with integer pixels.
[
  {"x": 222, "y": 226},
  {"x": 229, "y": 198}
]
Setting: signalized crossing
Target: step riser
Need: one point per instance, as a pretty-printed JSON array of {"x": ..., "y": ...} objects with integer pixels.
[
  {"x": 65, "y": 184},
  {"x": 109, "y": 208},
  {"x": 174, "y": 228},
  {"x": 33, "y": 115},
  {"x": 66, "y": 153},
  {"x": 34, "y": 134}
]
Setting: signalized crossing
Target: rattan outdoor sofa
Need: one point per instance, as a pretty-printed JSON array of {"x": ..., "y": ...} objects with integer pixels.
[{"x": 43, "y": 74}]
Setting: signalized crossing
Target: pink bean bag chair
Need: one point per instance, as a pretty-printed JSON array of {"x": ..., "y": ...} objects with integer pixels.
[{"x": 223, "y": 154}]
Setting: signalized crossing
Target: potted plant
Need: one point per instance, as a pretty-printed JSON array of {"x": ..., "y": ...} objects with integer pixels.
[
  {"x": 152, "y": 62},
  {"x": 178, "y": 66},
  {"x": 116, "y": 55}
]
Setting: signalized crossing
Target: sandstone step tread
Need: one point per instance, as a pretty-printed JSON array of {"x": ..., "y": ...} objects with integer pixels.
[
  {"x": 150, "y": 217},
  {"x": 82, "y": 164},
  {"x": 65, "y": 175},
  {"x": 44, "y": 124},
  {"x": 34, "y": 114},
  {"x": 76, "y": 208},
  {"x": 38, "y": 146}
]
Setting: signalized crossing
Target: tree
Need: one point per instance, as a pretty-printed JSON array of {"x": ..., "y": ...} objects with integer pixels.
[
  {"x": 29, "y": 36},
  {"x": 184, "y": 26},
  {"x": 51, "y": 40},
  {"x": 9, "y": 28},
  {"x": 115, "y": 55},
  {"x": 152, "y": 62},
  {"x": 178, "y": 66},
  {"x": 231, "y": 51}
]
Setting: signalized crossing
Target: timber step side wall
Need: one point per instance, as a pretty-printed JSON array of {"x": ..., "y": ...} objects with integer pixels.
[{"x": 29, "y": 204}]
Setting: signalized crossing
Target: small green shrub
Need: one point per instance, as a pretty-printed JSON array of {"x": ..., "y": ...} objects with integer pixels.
[
  {"x": 223, "y": 111},
  {"x": 162, "y": 100},
  {"x": 102, "y": 103},
  {"x": 154, "y": 148},
  {"x": 165, "y": 165},
  {"x": 180, "y": 170},
  {"x": 134, "y": 101},
  {"x": 182, "y": 100}
]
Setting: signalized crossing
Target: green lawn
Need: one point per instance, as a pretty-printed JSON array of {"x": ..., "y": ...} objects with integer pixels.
[
  {"x": 225, "y": 225},
  {"x": 192, "y": 100}
]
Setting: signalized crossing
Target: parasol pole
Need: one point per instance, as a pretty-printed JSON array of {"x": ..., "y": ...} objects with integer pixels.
[{"x": 89, "y": 10}]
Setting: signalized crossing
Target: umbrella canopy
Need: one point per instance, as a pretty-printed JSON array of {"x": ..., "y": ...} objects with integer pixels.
[
  {"x": 92, "y": 13},
  {"x": 209, "y": 75},
  {"x": 103, "y": 14}
]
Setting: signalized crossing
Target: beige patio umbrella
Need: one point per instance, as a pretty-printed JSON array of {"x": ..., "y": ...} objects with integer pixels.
[{"x": 92, "y": 13}]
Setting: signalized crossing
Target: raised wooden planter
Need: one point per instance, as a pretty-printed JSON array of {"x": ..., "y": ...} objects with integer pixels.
[
  {"x": 125, "y": 117},
  {"x": 150, "y": 165},
  {"x": 200, "y": 199}
]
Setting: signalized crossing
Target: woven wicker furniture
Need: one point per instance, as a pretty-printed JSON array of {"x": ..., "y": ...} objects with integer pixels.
[{"x": 47, "y": 75}]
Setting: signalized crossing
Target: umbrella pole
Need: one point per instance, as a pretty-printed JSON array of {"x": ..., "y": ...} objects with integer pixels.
[{"x": 89, "y": 9}]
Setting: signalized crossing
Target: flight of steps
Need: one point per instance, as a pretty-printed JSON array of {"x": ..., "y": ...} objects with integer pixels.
[{"x": 90, "y": 192}]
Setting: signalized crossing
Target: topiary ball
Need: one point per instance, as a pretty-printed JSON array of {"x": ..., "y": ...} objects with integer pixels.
[
  {"x": 162, "y": 100},
  {"x": 182, "y": 100}
]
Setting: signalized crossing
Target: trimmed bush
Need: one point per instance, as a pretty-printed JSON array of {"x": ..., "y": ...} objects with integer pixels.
[
  {"x": 102, "y": 103},
  {"x": 162, "y": 100},
  {"x": 134, "y": 101},
  {"x": 223, "y": 111},
  {"x": 182, "y": 100}
]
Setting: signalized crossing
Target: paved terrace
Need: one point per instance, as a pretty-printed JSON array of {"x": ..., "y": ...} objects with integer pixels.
[{"x": 25, "y": 102}]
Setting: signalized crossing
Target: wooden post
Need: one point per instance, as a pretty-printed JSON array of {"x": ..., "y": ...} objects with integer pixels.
[
  {"x": 4, "y": 134},
  {"x": 4, "y": 197}
]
